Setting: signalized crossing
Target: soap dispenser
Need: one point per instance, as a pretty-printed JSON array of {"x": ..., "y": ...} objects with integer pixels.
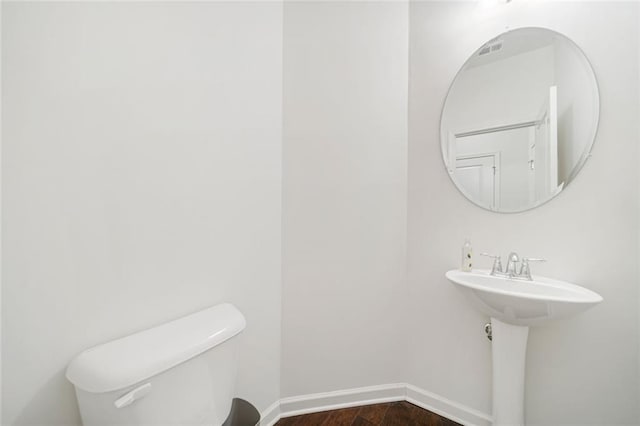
[{"x": 467, "y": 257}]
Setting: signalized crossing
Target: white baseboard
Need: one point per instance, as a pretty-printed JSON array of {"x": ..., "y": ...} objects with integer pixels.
[
  {"x": 325, "y": 401},
  {"x": 271, "y": 415},
  {"x": 444, "y": 407},
  {"x": 341, "y": 399}
]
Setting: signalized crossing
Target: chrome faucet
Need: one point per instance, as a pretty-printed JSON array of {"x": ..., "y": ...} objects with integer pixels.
[
  {"x": 511, "y": 270},
  {"x": 512, "y": 261}
]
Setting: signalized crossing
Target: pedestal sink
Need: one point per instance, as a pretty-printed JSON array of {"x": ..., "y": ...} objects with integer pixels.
[{"x": 513, "y": 306}]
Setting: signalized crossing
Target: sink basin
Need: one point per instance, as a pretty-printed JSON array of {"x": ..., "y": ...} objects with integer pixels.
[{"x": 521, "y": 302}]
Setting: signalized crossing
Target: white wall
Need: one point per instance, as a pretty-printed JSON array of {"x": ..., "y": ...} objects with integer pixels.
[
  {"x": 141, "y": 181},
  {"x": 580, "y": 371},
  {"x": 344, "y": 194},
  {"x": 508, "y": 91},
  {"x": 576, "y": 106},
  {"x": 1, "y": 214}
]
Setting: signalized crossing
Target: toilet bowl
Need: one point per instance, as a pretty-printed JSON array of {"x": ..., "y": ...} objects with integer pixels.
[{"x": 179, "y": 373}]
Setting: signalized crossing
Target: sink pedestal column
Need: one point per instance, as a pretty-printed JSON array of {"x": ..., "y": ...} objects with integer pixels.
[{"x": 509, "y": 348}]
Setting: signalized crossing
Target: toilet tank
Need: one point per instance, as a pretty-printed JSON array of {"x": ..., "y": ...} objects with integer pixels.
[{"x": 179, "y": 373}]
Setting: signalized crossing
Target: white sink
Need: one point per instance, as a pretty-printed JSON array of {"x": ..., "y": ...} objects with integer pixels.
[
  {"x": 513, "y": 306},
  {"x": 521, "y": 302}
]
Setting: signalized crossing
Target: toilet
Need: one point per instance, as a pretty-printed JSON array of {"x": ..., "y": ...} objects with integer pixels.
[{"x": 179, "y": 373}]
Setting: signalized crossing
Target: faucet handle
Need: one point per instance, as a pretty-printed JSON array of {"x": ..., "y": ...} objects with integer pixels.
[
  {"x": 533, "y": 259},
  {"x": 497, "y": 263},
  {"x": 525, "y": 270}
]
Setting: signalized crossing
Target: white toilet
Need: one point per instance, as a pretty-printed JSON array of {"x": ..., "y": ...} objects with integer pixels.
[{"x": 179, "y": 373}]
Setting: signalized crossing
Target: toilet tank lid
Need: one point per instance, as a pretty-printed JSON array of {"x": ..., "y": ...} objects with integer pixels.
[{"x": 131, "y": 359}]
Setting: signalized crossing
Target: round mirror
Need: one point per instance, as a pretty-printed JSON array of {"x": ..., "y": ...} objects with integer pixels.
[{"x": 519, "y": 120}]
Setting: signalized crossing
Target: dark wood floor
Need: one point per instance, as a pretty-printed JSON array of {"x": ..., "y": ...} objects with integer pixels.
[{"x": 391, "y": 414}]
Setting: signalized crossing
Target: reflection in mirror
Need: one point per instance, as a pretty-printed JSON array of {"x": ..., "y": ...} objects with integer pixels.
[{"x": 519, "y": 120}]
